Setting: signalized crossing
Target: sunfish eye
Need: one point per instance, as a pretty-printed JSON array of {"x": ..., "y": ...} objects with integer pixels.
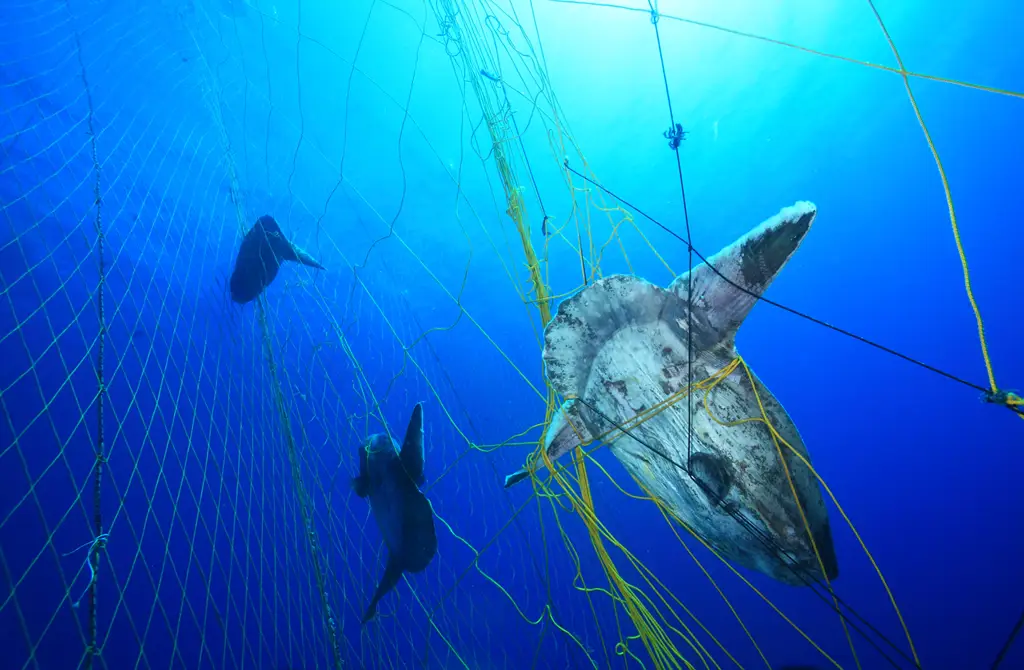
[{"x": 712, "y": 476}]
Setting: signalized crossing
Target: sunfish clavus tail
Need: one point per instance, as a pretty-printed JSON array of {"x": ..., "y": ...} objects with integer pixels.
[
  {"x": 260, "y": 255},
  {"x": 618, "y": 350},
  {"x": 390, "y": 477}
]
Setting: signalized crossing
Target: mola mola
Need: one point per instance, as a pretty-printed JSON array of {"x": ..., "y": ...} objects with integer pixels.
[
  {"x": 391, "y": 479},
  {"x": 619, "y": 347},
  {"x": 263, "y": 249}
]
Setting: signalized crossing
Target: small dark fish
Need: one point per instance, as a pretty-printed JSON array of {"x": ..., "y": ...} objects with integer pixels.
[
  {"x": 391, "y": 478},
  {"x": 260, "y": 255}
]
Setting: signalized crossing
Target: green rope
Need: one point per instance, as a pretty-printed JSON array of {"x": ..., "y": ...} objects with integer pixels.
[
  {"x": 304, "y": 504},
  {"x": 93, "y": 558}
]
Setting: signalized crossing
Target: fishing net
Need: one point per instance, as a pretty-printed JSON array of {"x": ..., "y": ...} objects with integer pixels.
[{"x": 176, "y": 467}]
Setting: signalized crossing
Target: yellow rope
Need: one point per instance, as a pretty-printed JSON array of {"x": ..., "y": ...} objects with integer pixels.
[
  {"x": 777, "y": 437},
  {"x": 993, "y": 387}
]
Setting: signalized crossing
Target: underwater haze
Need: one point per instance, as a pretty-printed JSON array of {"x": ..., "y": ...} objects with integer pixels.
[{"x": 241, "y": 240}]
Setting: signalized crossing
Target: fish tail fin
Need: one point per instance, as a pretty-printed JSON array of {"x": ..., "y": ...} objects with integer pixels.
[{"x": 392, "y": 573}]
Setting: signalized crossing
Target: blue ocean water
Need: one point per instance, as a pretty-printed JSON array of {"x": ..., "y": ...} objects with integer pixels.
[{"x": 201, "y": 451}]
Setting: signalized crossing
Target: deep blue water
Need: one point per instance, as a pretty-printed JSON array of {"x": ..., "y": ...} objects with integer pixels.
[{"x": 198, "y": 117}]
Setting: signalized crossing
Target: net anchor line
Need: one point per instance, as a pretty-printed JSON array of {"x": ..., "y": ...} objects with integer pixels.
[
  {"x": 304, "y": 503},
  {"x": 92, "y": 559}
]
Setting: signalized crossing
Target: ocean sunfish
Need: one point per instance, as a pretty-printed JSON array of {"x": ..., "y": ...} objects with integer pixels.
[
  {"x": 260, "y": 255},
  {"x": 619, "y": 348},
  {"x": 390, "y": 477}
]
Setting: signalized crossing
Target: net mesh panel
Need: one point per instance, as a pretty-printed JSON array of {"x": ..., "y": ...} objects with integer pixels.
[
  {"x": 227, "y": 445},
  {"x": 176, "y": 467}
]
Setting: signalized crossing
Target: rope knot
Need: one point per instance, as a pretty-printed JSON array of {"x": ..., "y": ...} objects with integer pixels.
[
  {"x": 1008, "y": 399},
  {"x": 98, "y": 543}
]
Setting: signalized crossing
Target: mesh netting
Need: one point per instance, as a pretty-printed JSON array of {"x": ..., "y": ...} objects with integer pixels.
[{"x": 176, "y": 467}]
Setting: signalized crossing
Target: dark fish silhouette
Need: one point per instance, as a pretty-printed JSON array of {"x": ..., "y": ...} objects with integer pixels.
[
  {"x": 391, "y": 478},
  {"x": 263, "y": 250}
]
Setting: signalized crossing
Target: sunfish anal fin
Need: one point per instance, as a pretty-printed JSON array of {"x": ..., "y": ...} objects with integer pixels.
[
  {"x": 748, "y": 266},
  {"x": 516, "y": 477},
  {"x": 565, "y": 432}
]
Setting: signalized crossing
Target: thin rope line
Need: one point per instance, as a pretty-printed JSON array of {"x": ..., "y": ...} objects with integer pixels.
[
  {"x": 786, "y": 308},
  {"x": 94, "y": 556}
]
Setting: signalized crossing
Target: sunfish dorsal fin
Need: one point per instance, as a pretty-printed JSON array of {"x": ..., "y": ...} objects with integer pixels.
[
  {"x": 282, "y": 247},
  {"x": 748, "y": 266},
  {"x": 412, "y": 446}
]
